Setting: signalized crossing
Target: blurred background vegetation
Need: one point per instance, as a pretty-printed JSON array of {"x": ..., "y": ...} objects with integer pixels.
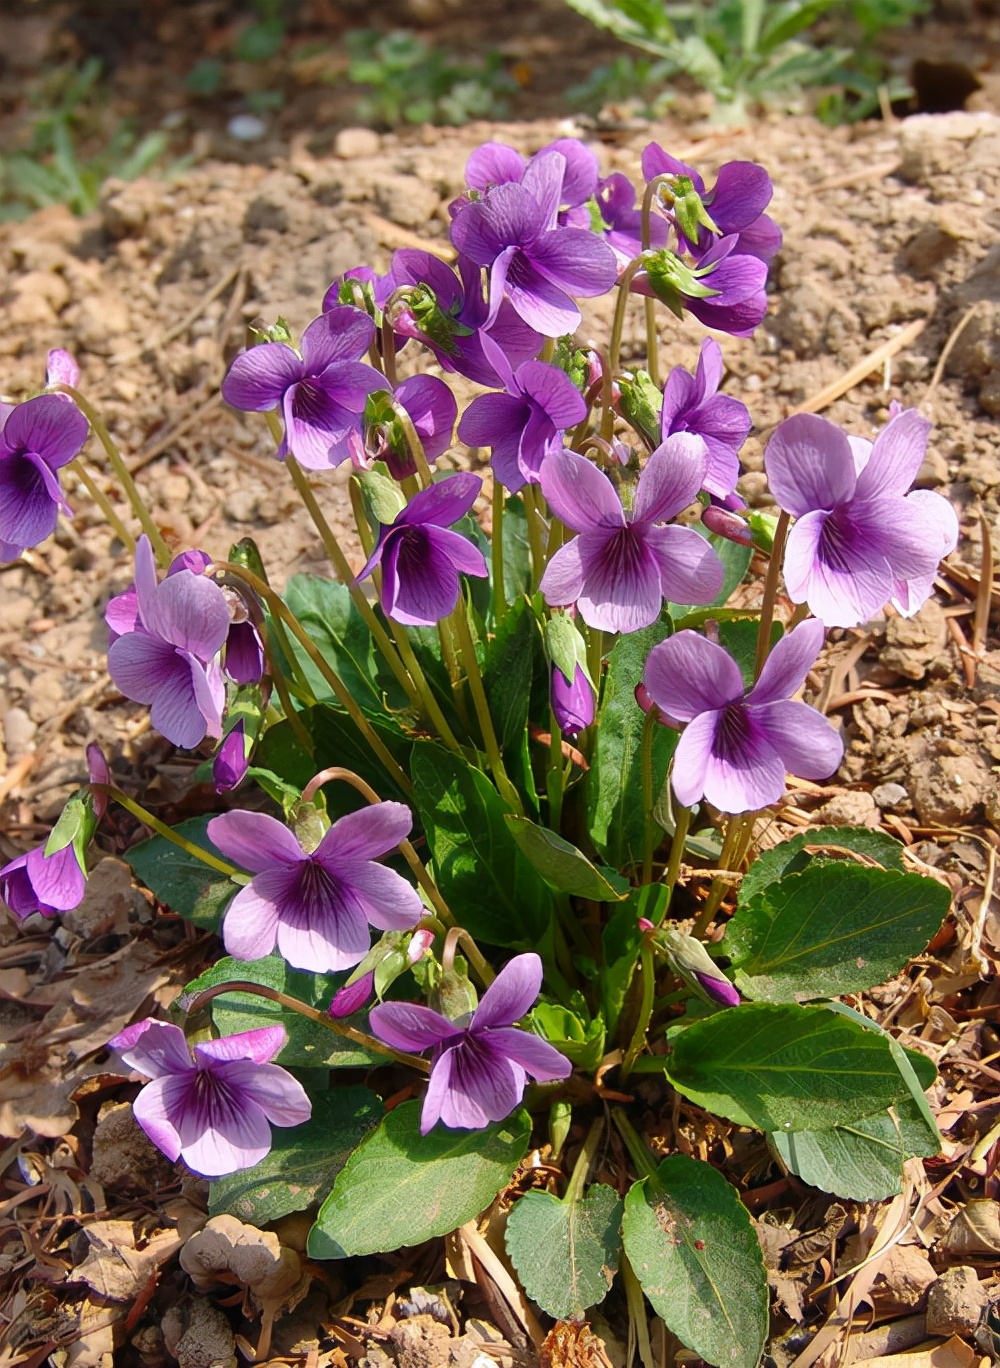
[{"x": 97, "y": 88}]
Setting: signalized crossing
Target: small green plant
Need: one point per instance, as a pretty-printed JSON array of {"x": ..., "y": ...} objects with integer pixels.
[
  {"x": 51, "y": 170},
  {"x": 411, "y": 82},
  {"x": 744, "y": 51}
]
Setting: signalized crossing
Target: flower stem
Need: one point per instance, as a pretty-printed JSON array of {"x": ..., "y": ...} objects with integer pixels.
[
  {"x": 467, "y": 650},
  {"x": 638, "y": 1150},
  {"x": 342, "y": 694},
  {"x": 456, "y": 937},
  {"x": 346, "y": 577},
  {"x": 532, "y": 508},
  {"x": 652, "y": 340},
  {"x": 429, "y": 703},
  {"x": 168, "y": 833},
  {"x": 103, "y": 503},
  {"x": 617, "y": 328},
  {"x": 648, "y": 824},
  {"x": 360, "y": 520},
  {"x": 415, "y": 444},
  {"x": 770, "y": 593},
  {"x": 405, "y": 848},
  {"x": 554, "y": 775},
  {"x": 586, "y": 1157},
  {"x": 735, "y": 829},
  {"x": 281, "y": 689},
  {"x": 313, "y": 1014},
  {"x": 496, "y": 552},
  {"x": 647, "y": 970},
  {"x": 121, "y": 470},
  {"x": 682, "y": 821}
]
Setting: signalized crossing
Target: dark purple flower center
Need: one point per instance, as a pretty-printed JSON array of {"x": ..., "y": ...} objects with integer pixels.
[
  {"x": 213, "y": 1100},
  {"x": 734, "y": 734},
  {"x": 316, "y": 890},
  {"x": 308, "y": 404},
  {"x": 623, "y": 553},
  {"x": 414, "y": 548}
]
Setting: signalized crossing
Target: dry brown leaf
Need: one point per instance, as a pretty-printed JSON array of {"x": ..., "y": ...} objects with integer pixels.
[
  {"x": 226, "y": 1250},
  {"x": 573, "y": 1346},
  {"x": 955, "y": 1353},
  {"x": 975, "y": 1230},
  {"x": 114, "y": 1268}
]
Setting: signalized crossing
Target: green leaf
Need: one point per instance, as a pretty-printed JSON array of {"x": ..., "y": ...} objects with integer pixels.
[
  {"x": 310, "y": 1045},
  {"x": 335, "y": 626},
  {"x": 516, "y": 550},
  {"x": 400, "y": 1188},
  {"x": 614, "y": 781},
  {"x": 489, "y": 885},
  {"x": 512, "y": 656},
  {"x": 303, "y": 1161},
  {"x": 693, "y": 1249},
  {"x": 739, "y": 637},
  {"x": 179, "y": 880},
  {"x": 566, "y": 1252},
  {"x": 791, "y": 857},
  {"x": 620, "y": 944},
  {"x": 835, "y": 928},
  {"x": 564, "y": 867},
  {"x": 576, "y": 1035},
  {"x": 338, "y": 742},
  {"x": 863, "y": 1159},
  {"x": 783, "y": 1067}
]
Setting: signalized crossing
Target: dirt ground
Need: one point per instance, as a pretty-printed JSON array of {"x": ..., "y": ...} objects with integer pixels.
[{"x": 890, "y": 272}]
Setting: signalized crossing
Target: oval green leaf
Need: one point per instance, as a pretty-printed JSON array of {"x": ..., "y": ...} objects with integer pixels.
[
  {"x": 566, "y": 1252},
  {"x": 562, "y": 866}
]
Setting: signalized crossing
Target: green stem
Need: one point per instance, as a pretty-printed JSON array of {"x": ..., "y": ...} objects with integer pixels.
[
  {"x": 595, "y": 656},
  {"x": 342, "y": 694},
  {"x": 647, "y": 969},
  {"x": 450, "y": 658},
  {"x": 530, "y": 495},
  {"x": 103, "y": 503},
  {"x": 284, "y": 697},
  {"x": 734, "y": 831},
  {"x": 617, "y": 328},
  {"x": 648, "y": 825},
  {"x": 457, "y": 936},
  {"x": 637, "y": 1316},
  {"x": 682, "y": 821},
  {"x": 160, "y": 548},
  {"x": 638, "y": 1150},
  {"x": 340, "y": 1028},
  {"x": 770, "y": 593},
  {"x": 365, "y": 536},
  {"x": 429, "y": 703},
  {"x": 554, "y": 775},
  {"x": 586, "y": 1157},
  {"x": 496, "y": 552},
  {"x": 168, "y": 833},
  {"x": 415, "y": 444},
  {"x": 346, "y": 577},
  {"x": 467, "y": 650}
]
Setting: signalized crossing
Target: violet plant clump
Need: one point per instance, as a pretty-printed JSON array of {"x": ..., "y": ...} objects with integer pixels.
[{"x": 520, "y": 746}]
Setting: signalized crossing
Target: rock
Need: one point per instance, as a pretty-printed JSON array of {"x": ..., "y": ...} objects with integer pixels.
[
  {"x": 246, "y": 128},
  {"x": 912, "y": 644},
  {"x": 936, "y": 146},
  {"x": 975, "y": 356},
  {"x": 406, "y": 201},
  {"x": 890, "y": 796},
  {"x": 945, "y": 789},
  {"x": 124, "y": 1160},
  {"x": 200, "y": 1336},
  {"x": 241, "y": 506},
  {"x": 18, "y": 732},
  {"x": 850, "y": 809},
  {"x": 929, "y": 247},
  {"x": 356, "y": 142},
  {"x": 101, "y": 320},
  {"x": 956, "y": 1302}
]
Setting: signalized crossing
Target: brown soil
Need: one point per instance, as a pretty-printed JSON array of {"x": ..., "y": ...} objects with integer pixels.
[{"x": 891, "y": 235}]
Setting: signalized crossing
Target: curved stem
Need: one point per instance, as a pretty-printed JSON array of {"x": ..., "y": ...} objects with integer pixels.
[
  {"x": 411, "y": 857},
  {"x": 121, "y": 470},
  {"x": 734, "y": 835},
  {"x": 647, "y": 969},
  {"x": 103, "y": 503},
  {"x": 617, "y": 327},
  {"x": 682, "y": 821},
  {"x": 586, "y": 1157},
  {"x": 468, "y": 651},
  {"x": 770, "y": 593},
  {"x": 360, "y": 519},
  {"x": 281, "y": 689},
  {"x": 554, "y": 775},
  {"x": 496, "y": 551},
  {"x": 168, "y": 833},
  {"x": 648, "y": 824},
  {"x": 457, "y": 936},
  {"x": 429, "y": 704},
  {"x": 313, "y": 1014},
  {"x": 415, "y": 444},
  {"x": 342, "y": 694}
]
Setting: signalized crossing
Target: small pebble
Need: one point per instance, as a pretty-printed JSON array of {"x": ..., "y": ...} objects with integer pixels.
[
  {"x": 18, "y": 732},
  {"x": 890, "y": 796},
  {"x": 246, "y": 128},
  {"x": 351, "y": 143},
  {"x": 956, "y": 1302}
]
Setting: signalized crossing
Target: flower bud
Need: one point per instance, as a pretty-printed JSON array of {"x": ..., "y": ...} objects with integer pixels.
[
  {"x": 420, "y": 943},
  {"x": 572, "y": 703},
  {"x": 61, "y": 369},
  {"x": 230, "y": 765},
  {"x": 689, "y": 958},
  {"x": 726, "y": 524},
  {"x": 353, "y": 996},
  {"x": 53, "y": 878},
  {"x": 98, "y": 772}
]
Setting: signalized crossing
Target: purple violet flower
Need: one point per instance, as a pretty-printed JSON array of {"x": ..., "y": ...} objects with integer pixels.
[
  {"x": 859, "y": 539},
  {"x": 738, "y": 744},
  {"x": 232, "y": 760},
  {"x": 623, "y": 565},
  {"x": 321, "y": 394},
  {"x": 61, "y": 369},
  {"x": 316, "y": 906},
  {"x": 49, "y": 884},
  {"x": 166, "y": 657},
  {"x": 720, "y": 989},
  {"x": 38, "y": 438},
  {"x": 495, "y": 163},
  {"x": 538, "y": 266},
  {"x": 480, "y": 1064},
  {"x": 432, "y": 409},
  {"x": 573, "y": 701},
  {"x": 616, "y": 201},
  {"x": 525, "y": 424},
  {"x": 451, "y": 316},
  {"x": 214, "y": 1106},
  {"x": 738, "y": 299},
  {"x": 421, "y": 560},
  {"x": 736, "y": 202},
  {"x": 692, "y": 403}
]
